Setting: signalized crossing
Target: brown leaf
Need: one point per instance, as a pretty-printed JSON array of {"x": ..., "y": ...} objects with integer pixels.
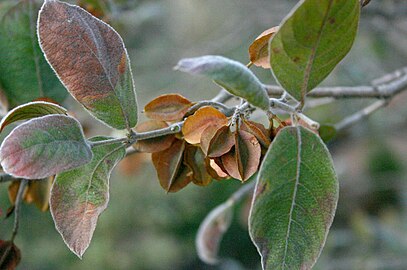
[
  {"x": 258, "y": 50},
  {"x": 133, "y": 164},
  {"x": 244, "y": 159},
  {"x": 216, "y": 141},
  {"x": 169, "y": 107},
  {"x": 215, "y": 170},
  {"x": 194, "y": 158},
  {"x": 258, "y": 130},
  {"x": 204, "y": 117},
  {"x": 172, "y": 174},
  {"x": 154, "y": 144},
  {"x": 10, "y": 255}
]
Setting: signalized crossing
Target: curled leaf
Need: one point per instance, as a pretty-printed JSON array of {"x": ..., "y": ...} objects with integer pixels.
[
  {"x": 259, "y": 49},
  {"x": 231, "y": 75},
  {"x": 216, "y": 141},
  {"x": 203, "y": 118},
  {"x": 44, "y": 146},
  {"x": 215, "y": 170},
  {"x": 168, "y": 107},
  {"x": 211, "y": 231},
  {"x": 194, "y": 158},
  {"x": 80, "y": 195},
  {"x": 31, "y": 110},
  {"x": 244, "y": 159},
  {"x": 154, "y": 144},
  {"x": 258, "y": 130},
  {"x": 90, "y": 59},
  {"x": 172, "y": 173}
]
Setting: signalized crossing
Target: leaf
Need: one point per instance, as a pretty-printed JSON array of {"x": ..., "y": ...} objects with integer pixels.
[
  {"x": 194, "y": 158},
  {"x": 229, "y": 74},
  {"x": 172, "y": 174},
  {"x": 311, "y": 41},
  {"x": 10, "y": 255},
  {"x": 154, "y": 144},
  {"x": 4, "y": 106},
  {"x": 24, "y": 73},
  {"x": 243, "y": 161},
  {"x": 295, "y": 200},
  {"x": 215, "y": 170},
  {"x": 211, "y": 231},
  {"x": 169, "y": 107},
  {"x": 90, "y": 59},
  {"x": 216, "y": 141},
  {"x": 258, "y": 130},
  {"x": 80, "y": 195},
  {"x": 204, "y": 117},
  {"x": 31, "y": 110},
  {"x": 259, "y": 49},
  {"x": 43, "y": 147}
]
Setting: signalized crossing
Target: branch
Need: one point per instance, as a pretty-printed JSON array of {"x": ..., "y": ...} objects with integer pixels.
[{"x": 386, "y": 86}]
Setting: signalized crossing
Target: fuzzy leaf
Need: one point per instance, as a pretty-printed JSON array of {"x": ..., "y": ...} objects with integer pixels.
[
  {"x": 211, "y": 231},
  {"x": 195, "y": 124},
  {"x": 229, "y": 74},
  {"x": 294, "y": 201},
  {"x": 43, "y": 147},
  {"x": 154, "y": 144},
  {"x": 259, "y": 49},
  {"x": 31, "y": 110},
  {"x": 90, "y": 59},
  {"x": 80, "y": 195},
  {"x": 171, "y": 172},
  {"x": 24, "y": 73},
  {"x": 169, "y": 107},
  {"x": 311, "y": 41}
]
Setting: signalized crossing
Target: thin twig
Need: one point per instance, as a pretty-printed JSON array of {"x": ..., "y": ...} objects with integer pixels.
[
  {"x": 225, "y": 109},
  {"x": 360, "y": 115},
  {"x": 17, "y": 204}
]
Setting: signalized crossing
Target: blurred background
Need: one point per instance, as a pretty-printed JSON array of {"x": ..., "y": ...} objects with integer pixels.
[{"x": 144, "y": 228}]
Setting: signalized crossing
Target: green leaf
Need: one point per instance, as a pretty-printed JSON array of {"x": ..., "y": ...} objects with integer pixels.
[
  {"x": 90, "y": 59},
  {"x": 294, "y": 201},
  {"x": 43, "y": 147},
  {"x": 229, "y": 74},
  {"x": 31, "y": 110},
  {"x": 311, "y": 41},
  {"x": 79, "y": 196},
  {"x": 24, "y": 73}
]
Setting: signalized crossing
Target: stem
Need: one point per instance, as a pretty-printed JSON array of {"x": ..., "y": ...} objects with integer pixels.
[
  {"x": 360, "y": 115},
  {"x": 17, "y": 204},
  {"x": 107, "y": 142},
  {"x": 212, "y": 103}
]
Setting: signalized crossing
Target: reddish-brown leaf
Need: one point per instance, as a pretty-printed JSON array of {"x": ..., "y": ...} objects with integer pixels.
[
  {"x": 244, "y": 159},
  {"x": 169, "y": 107},
  {"x": 216, "y": 141},
  {"x": 172, "y": 174},
  {"x": 258, "y": 130},
  {"x": 10, "y": 255},
  {"x": 154, "y": 144},
  {"x": 258, "y": 50},
  {"x": 90, "y": 59},
  {"x": 194, "y": 158},
  {"x": 199, "y": 121},
  {"x": 215, "y": 170}
]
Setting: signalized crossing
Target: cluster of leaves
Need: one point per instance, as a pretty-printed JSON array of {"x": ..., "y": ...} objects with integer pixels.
[{"x": 296, "y": 188}]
